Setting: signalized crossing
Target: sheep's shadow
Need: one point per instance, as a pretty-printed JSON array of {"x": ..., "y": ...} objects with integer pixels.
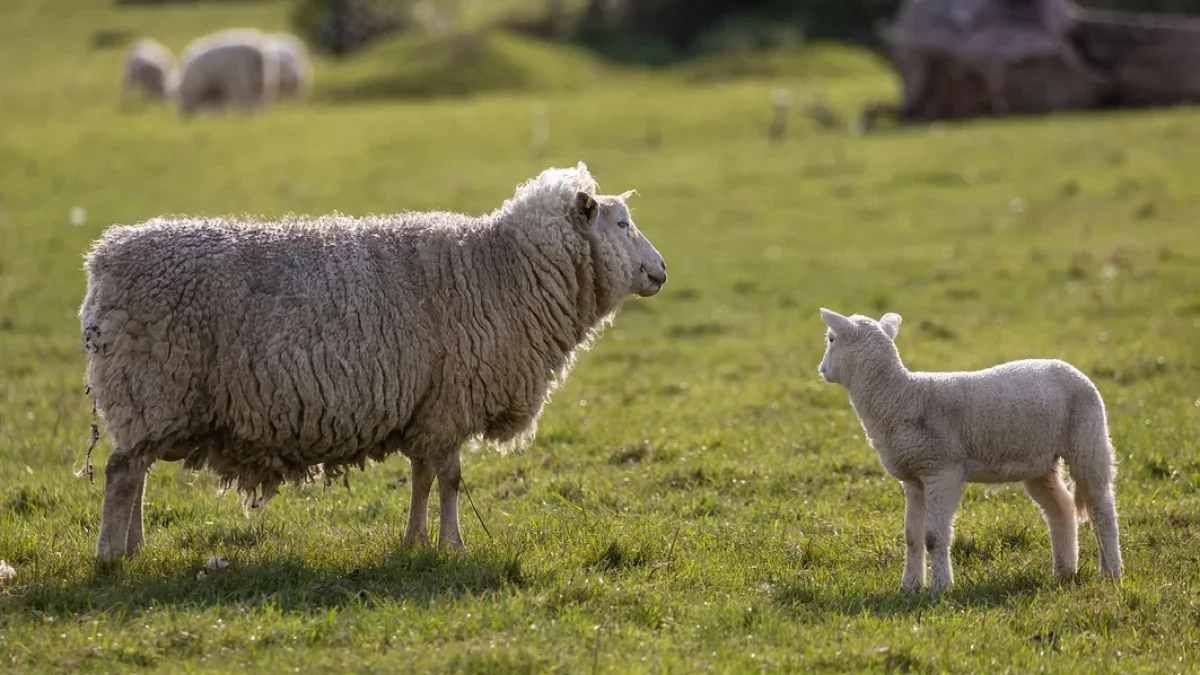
[
  {"x": 803, "y": 597},
  {"x": 287, "y": 582}
]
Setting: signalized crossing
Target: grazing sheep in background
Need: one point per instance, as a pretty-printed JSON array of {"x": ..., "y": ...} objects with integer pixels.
[
  {"x": 229, "y": 67},
  {"x": 264, "y": 349},
  {"x": 149, "y": 66},
  {"x": 295, "y": 65},
  {"x": 1012, "y": 422}
]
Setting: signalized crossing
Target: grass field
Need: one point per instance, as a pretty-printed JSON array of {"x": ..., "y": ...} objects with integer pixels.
[{"x": 697, "y": 500}]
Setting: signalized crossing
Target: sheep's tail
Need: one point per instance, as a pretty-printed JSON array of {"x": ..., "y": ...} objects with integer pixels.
[{"x": 1091, "y": 458}]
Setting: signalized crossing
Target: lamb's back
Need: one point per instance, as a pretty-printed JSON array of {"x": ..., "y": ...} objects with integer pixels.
[{"x": 1010, "y": 412}]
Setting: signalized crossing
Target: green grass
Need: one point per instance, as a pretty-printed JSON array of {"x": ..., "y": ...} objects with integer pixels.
[{"x": 696, "y": 500}]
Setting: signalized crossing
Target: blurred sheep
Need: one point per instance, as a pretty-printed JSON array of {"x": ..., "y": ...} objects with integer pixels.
[
  {"x": 295, "y": 65},
  {"x": 232, "y": 67},
  {"x": 149, "y": 67}
]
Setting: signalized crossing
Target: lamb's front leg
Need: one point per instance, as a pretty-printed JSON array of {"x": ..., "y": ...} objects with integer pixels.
[
  {"x": 417, "y": 531},
  {"x": 914, "y": 530},
  {"x": 942, "y": 495}
]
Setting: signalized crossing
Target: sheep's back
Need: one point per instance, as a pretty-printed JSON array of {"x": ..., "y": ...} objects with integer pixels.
[
  {"x": 1014, "y": 407},
  {"x": 292, "y": 340}
]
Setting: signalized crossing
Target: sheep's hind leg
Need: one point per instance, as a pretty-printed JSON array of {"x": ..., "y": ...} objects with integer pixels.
[
  {"x": 942, "y": 495},
  {"x": 449, "y": 476},
  {"x": 134, "y": 539},
  {"x": 1051, "y": 495},
  {"x": 417, "y": 531},
  {"x": 1102, "y": 507},
  {"x": 914, "y": 528},
  {"x": 124, "y": 479}
]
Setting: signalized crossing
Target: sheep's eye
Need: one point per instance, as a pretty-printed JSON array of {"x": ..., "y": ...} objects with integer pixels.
[
  {"x": 622, "y": 224},
  {"x": 830, "y": 338}
]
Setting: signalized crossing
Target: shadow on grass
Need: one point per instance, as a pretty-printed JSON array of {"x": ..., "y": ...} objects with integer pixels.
[
  {"x": 805, "y": 598},
  {"x": 287, "y": 583}
]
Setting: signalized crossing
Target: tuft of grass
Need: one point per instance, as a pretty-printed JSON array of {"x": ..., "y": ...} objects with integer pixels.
[{"x": 458, "y": 64}]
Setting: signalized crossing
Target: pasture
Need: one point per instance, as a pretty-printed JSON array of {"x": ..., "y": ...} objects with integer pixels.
[{"x": 697, "y": 499}]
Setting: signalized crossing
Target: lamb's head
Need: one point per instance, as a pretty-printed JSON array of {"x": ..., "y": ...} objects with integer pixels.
[
  {"x": 858, "y": 343},
  {"x": 629, "y": 259}
]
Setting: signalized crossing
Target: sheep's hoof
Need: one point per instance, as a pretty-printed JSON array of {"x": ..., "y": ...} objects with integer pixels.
[
  {"x": 912, "y": 587},
  {"x": 455, "y": 544}
]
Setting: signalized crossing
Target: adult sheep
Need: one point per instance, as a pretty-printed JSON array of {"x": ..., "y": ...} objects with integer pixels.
[
  {"x": 263, "y": 350},
  {"x": 295, "y": 65},
  {"x": 149, "y": 67},
  {"x": 232, "y": 67},
  {"x": 1012, "y": 422}
]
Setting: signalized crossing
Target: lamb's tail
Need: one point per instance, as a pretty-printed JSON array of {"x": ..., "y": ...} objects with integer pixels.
[{"x": 1090, "y": 458}]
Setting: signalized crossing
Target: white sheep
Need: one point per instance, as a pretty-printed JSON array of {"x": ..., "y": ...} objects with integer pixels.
[
  {"x": 149, "y": 67},
  {"x": 230, "y": 67},
  {"x": 1012, "y": 422},
  {"x": 264, "y": 349},
  {"x": 295, "y": 65}
]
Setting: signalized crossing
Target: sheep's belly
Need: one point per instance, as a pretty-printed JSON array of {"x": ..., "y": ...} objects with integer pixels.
[{"x": 1003, "y": 471}]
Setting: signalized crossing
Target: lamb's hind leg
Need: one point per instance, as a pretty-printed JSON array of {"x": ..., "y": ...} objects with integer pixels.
[
  {"x": 1052, "y": 496},
  {"x": 1103, "y": 509},
  {"x": 124, "y": 480},
  {"x": 417, "y": 531},
  {"x": 942, "y": 495},
  {"x": 449, "y": 476}
]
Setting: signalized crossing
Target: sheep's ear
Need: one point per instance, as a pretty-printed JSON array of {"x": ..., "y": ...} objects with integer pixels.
[
  {"x": 836, "y": 322},
  {"x": 627, "y": 194},
  {"x": 891, "y": 324},
  {"x": 587, "y": 207}
]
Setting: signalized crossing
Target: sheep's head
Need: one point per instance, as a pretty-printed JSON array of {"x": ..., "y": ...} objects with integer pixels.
[
  {"x": 851, "y": 342},
  {"x": 630, "y": 260}
]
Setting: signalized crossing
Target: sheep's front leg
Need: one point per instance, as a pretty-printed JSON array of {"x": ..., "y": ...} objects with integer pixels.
[
  {"x": 942, "y": 495},
  {"x": 124, "y": 476},
  {"x": 417, "y": 531},
  {"x": 914, "y": 529},
  {"x": 449, "y": 476}
]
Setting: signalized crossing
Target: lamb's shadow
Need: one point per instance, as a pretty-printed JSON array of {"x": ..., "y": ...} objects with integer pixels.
[
  {"x": 803, "y": 598},
  {"x": 287, "y": 583}
]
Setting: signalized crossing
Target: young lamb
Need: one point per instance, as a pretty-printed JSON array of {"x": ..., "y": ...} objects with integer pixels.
[
  {"x": 263, "y": 350},
  {"x": 1007, "y": 423},
  {"x": 149, "y": 66},
  {"x": 235, "y": 66}
]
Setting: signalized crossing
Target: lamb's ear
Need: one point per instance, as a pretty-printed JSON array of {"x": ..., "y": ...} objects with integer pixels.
[
  {"x": 586, "y": 206},
  {"x": 891, "y": 324},
  {"x": 836, "y": 322}
]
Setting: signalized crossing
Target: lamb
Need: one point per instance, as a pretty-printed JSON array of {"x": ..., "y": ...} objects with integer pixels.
[
  {"x": 230, "y": 67},
  {"x": 1011, "y": 422},
  {"x": 295, "y": 66},
  {"x": 272, "y": 352},
  {"x": 149, "y": 67}
]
